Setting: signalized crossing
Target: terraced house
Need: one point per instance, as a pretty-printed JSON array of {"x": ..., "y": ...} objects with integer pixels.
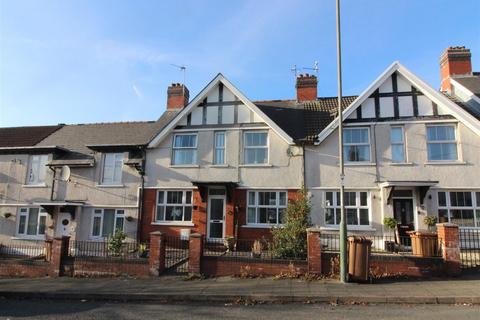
[{"x": 225, "y": 166}]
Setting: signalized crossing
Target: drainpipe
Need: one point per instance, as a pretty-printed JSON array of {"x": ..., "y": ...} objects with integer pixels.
[
  {"x": 140, "y": 196},
  {"x": 53, "y": 183}
]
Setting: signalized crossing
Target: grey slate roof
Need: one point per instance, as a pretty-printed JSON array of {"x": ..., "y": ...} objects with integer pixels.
[
  {"x": 471, "y": 83},
  {"x": 77, "y": 137},
  {"x": 25, "y": 136},
  {"x": 474, "y": 111}
]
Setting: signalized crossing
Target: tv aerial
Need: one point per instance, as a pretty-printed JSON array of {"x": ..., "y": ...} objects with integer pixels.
[
  {"x": 314, "y": 69},
  {"x": 182, "y": 68}
]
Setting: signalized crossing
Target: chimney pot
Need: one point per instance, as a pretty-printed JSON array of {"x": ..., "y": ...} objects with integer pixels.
[
  {"x": 454, "y": 61},
  {"x": 177, "y": 96},
  {"x": 306, "y": 87}
]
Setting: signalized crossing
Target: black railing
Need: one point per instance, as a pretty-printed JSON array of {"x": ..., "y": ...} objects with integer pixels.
[
  {"x": 176, "y": 254},
  {"x": 470, "y": 248},
  {"x": 23, "y": 249},
  {"x": 104, "y": 249},
  {"x": 261, "y": 249}
]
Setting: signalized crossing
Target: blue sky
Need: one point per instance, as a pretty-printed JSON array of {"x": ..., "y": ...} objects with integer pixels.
[{"x": 101, "y": 61}]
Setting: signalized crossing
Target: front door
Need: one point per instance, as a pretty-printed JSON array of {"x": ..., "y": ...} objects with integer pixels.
[
  {"x": 64, "y": 224},
  {"x": 216, "y": 216},
  {"x": 403, "y": 213}
]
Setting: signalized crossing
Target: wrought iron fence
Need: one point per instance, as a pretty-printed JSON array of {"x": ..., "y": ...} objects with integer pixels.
[
  {"x": 176, "y": 254},
  {"x": 470, "y": 248},
  {"x": 23, "y": 249},
  {"x": 104, "y": 249},
  {"x": 262, "y": 249}
]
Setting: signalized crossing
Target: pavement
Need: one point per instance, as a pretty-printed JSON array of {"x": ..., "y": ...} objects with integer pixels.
[{"x": 177, "y": 289}]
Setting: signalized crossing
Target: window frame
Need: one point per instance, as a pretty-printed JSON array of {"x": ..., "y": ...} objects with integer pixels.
[
  {"x": 37, "y": 181},
  {"x": 115, "y": 160},
  {"x": 358, "y": 206},
  {"x": 100, "y": 212},
  {"x": 474, "y": 194},
  {"x": 164, "y": 204},
  {"x": 369, "y": 144},
  {"x": 195, "y": 149},
  {"x": 25, "y": 211},
  {"x": 402, "y": 143},
  {"x": 266, "y": 146},
  {"x": 223, "y": 148},
  {"x": 256, "y": 206},
  {"x": 455, "y": 141}
]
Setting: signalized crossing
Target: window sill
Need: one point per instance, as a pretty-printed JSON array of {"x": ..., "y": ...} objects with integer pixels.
[
  {"x": 444, "y": 163},
  {"x": 219, "y": 166},
  {"x": 259, "y": 165},
  {"x": 349, "y": 228},
  {"x": 262, "y": 226},
  {"x": 360, "y": 164},
  {"x": 18, "y": 237},
  {"x": 184, "y": 166},
  {"x": 42, "y": 185},
  {"x": 400, "y": 164},
  {"x": 174, "y": 223},
  {"x": 110, "y": 186}
]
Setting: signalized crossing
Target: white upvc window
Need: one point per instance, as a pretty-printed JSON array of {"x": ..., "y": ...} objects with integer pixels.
[
  {"x": 442, "y": 143},
  {"x": 112, "y": 169},
  {"x": 106, "y": 222},
  {"x": 184, "y": 149},
  {"x": 266, "y": 207},
  {"x": 31, "y": 222},
  {"x": 397, "y": 139},
  {"x": 174, "y": 205},
  {"x": 255, "y": 147},
  {"x": 37, "y": 169},
  {"x": 356, "y": 144},
  {"x": 459, "y": 207},
  {"x": 219, "y": 148},
  {"x": 357, "y": 208}
]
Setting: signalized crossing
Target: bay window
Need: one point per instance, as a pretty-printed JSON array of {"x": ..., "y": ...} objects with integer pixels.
[
  {"x": 459, "y": 207},
  {"x": 357, "y": 209},
  {"x": 106, "y": 222},
  {"x": 266, "y": 207},
  {"x": 184, "y": 149},
  {"x": 174, "y": 205},
  {"x": 356, "y": 144}
]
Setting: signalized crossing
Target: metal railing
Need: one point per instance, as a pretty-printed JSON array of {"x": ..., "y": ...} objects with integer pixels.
[
  {"x": 470, "y": 248},
  {"x": 23, "y": 249},
  {"x": 176, "y": 254},
  {"x": 103, "y": 249}
]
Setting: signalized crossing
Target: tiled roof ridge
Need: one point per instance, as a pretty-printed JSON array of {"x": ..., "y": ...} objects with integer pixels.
[{"x": 318, "y": 99}]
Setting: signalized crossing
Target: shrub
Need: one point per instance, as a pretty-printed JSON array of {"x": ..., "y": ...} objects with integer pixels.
[
  {"x": 430, "y": 221},
  {"x": 290, "y": 241},
  {"x": 390, "y": 223},
  {"x": 115, "y": 243}
]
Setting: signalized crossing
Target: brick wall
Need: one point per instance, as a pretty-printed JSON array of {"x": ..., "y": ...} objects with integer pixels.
[
  {"x": 100, "y": 267},
  {"x": 24, "y": 268}
]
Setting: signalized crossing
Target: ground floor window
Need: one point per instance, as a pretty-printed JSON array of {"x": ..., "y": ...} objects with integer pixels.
[
  {"x": 357, "y": 208},
  {"x": 459, "y": 207},
  {"x": 31, "y": 222},
  {"x": 266, "y": 207},
  {"x": 107, "y": 221},
  {"x": 174, "y": 205}
]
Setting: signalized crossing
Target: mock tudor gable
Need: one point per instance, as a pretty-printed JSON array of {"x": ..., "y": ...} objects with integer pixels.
[
  {"x": 219, "y": 103},
  {"x": 399, "y": 94}
]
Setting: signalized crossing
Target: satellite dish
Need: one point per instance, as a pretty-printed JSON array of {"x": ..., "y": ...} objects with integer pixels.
[{"x": 65, "y": 173}]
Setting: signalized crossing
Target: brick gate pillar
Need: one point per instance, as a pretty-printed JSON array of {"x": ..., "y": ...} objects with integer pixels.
[
  {"x": 314, "y": 251},
  {"x": 59, "y": 250},
  {"x": 156, "y": 260},
  {"x": 195, "y": 253},
  {"x": 449, "y": 242}
]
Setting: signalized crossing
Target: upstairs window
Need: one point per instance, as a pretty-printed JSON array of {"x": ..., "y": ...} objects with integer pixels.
[
  {"x": 441, "y": 143},
  {"x": 112, "y": 168},
  {"x": 397, "y": 139},
  {"x": 37, "y": 169},
  {"x": 255, "y": 147},
  {"x": 219, "y": 148},
  {"x": 106, "y": 222},
  {"x": 356, "y": 144},
  {"x": 31, "y": 222},
  {"x": 184, "y": 149},
  {"x": 356, "y": 208},
  {"x": 266, "y": 207},
  {"x": 173, "y": 205}
]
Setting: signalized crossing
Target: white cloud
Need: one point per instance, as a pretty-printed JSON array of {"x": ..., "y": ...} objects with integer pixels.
[{"x": 137, "y": 91}]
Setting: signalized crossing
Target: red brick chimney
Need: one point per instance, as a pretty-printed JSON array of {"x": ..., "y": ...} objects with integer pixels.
[
  {"x": 306, "y": 87},
  {"x": 177, "y": 96},
  {"x": 454, "y": 61}
]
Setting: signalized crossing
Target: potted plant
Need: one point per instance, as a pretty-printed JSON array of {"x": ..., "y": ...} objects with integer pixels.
[
  {"x": 257, "y": 249},
  {"x": 391, "y": 224},
  {"x": 430, "y": 222},
  {"x": 229, "y": 243},
  {"x": 142, "y": 250}
]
